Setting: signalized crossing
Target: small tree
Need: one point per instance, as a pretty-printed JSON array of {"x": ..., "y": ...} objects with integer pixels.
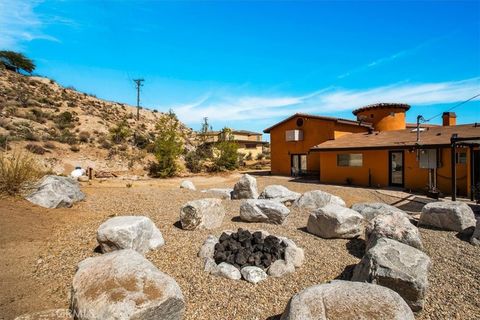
[
  {"x": 120, "y": 132},
  {"x": 227, "y": 158},
  {"x": 168, "y": 146},
  {"x": 16, "y": 61}
]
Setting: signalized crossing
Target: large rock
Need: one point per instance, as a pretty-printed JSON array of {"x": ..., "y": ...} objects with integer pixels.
[
  {"x": 475, "y": 240},
  {"x": 395, "y": 226},
  {"x": 228, "y": 271},
  {"x": 279, "y": 193},
  {"x": 370, "y": 210},
  {"x": 347, "y": 300},
  {"x": 280, "y": 268},
  {"x": 124, "y": 285},
  {"x": 208, "y": 248},
  {"x": 187, "y": 184},
  {"x": 294, "y": 255},
  {"x": 129, "y": 232},
  {"x": 253, "y": 274},
  {"x": 448, "y": 215},
  {"x": 397, "y": 266},
  {"x": 260, "y": 210},
  {"x": 335, "y": 221},
  {"x": 56, "y": 192},
  {"x": 53, "y": 314},
  {"x": 202, "y": 214},
  {"x": 245, "y": 188},
  {"x": 313, "y": 200},
  {"x": 219, "y": 192}
]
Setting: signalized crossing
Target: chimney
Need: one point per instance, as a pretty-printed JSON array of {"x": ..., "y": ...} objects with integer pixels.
[{"x": 449, "y": 119}]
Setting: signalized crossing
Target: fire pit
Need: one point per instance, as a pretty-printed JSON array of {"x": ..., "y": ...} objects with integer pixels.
[{"x": 251, "y": 255}]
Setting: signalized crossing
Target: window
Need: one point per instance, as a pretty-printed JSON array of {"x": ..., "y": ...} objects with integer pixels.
[
  {"x": 349, "y": 160},
  {"x": 462, "y": 158},
  {"x": 294, "y": 135},
  {"x": 299, "y": 122},
  {"x": 251, "y": 146}
]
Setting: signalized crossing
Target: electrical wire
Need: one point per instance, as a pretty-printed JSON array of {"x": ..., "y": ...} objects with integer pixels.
[{"x": 455, "y": 106}]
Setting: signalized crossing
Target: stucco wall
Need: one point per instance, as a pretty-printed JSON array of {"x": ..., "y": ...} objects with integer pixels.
[{"x": 384, "y": 119}]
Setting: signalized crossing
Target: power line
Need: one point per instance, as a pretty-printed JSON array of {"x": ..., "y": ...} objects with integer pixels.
[
  {"x": 138, "y": 83},
  {"x": 455, "y": 106}
]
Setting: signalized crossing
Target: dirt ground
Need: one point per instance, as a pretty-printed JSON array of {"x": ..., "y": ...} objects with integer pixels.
[{"x": 40, "y": 248}]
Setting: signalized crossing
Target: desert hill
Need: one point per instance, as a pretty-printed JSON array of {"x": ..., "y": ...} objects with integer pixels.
[{"x": 67, "y": 128}]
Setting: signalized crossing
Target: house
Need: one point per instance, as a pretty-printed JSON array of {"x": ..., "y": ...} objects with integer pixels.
[
  {"x": 292, "y": 139},
  {"x": 388, "y": 152},
  {"x": 249, "y": 142}
]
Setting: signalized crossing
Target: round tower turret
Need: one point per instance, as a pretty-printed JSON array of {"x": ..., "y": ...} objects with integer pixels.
[{"x": 383, "y": 116}]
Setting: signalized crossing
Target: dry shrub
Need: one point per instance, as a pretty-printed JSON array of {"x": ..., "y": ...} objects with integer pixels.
[
  {"x": 18, "y": 173},
  {"x": 35, "y": 148}
]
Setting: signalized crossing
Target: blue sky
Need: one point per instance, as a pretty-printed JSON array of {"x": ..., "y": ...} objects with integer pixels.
[{"x": 247, "y": 65}]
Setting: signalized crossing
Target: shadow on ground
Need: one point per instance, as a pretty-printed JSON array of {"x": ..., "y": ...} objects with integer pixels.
[{"x": 356, "y": 247}]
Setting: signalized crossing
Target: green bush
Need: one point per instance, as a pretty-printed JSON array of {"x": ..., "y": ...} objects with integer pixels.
[
  {"x": 120, "y": 132},
  {"x": 68, "y": 137},
  {"x": 193, "y": 162},
  {"x": 64, "y": 120}
]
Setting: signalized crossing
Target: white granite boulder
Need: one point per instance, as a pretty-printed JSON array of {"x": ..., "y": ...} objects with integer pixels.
[
  {"x": 228, "y": 271},
  {"x": 245, "y": 188},
  {"x": 129, "y": 232},
  {"x": 335, "y": 221},
  {"x": 475, "y": 239},
  {"x": 315, "y": 199},
  {"x": 187, "y": 184},
  {"x": 124, "y": 285},
  {"x": 260, "y": 210},
  {"x": 279, "y": 193},
  {"x": 208, "y": 248},
  {"x": 253, "y": 274},
  {"x": 224, "y": 193},
  {"x": 294, "y": 255},
  {"x": 202, "y": 214},
  {"x": 56, "y": 192},
  {"x": 280, "y": 268},
  {"x": 395, "y": 226},
  {"x": 347, "y": 300},
  {"x": 397, "y": 266},
  {"x": 370, "y": 210},
  {"x": 448, "y": 215}
]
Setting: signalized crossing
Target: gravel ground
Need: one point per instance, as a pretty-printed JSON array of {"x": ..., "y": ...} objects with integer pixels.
[{"x": 454, "y": 277}]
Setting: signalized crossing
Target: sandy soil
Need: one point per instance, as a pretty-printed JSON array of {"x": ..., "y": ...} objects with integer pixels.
[{"x": 40, "y": 248}]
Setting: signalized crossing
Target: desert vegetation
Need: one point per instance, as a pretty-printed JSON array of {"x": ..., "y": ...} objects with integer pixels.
[{"x": 18, "y": 172}]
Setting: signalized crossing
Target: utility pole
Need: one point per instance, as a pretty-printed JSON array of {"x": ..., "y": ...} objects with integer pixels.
[{"x": 138, "y": 84}]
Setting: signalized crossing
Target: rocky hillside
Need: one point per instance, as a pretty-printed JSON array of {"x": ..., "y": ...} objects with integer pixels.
[{"x": 67, "y": 128}]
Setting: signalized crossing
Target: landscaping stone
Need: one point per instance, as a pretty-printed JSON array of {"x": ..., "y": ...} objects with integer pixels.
[
  {"x": 124, "y": 285},
  {"x": 347, "y": 300},
  {"x": 228, "y": 271},
  {"x": 313, "y": 200},
  {"x": 202, "y": 214},
  {"x": 187, "y": 184},
  {"x": 129, "y": 232},
  {"x": 219, "y": 192},
  {"x": 395, "y": 226},
  {"x": 253, "y": 274},
  {"x": 56, "y": 192},
  {"x": 208, "y": 248},
  {"x": 397, "y": 266},
  {"x": 335, "y": 221},
  {"x": 475, "y": 239},
  {"x": 293, "y": 254},
  {"x": 279, "y": 193},
  {"x": 370, "y": 210},
  {"x": 448, "y": 215},
  {"x": 280, "y": 268},
  {"x": 245, "y": 188},
  {"x": 54, "y": 314},
  {"x": 260, "y": 210}
]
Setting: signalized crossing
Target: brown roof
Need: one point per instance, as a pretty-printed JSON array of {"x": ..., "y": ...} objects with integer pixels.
[
  {"x": 381, "y": 106},
  {"x": 338, "y": 120},
  {"x": 400, "y": 139}
]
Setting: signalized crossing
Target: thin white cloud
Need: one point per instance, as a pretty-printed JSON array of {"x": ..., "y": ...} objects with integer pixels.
[
  {"x": 331, "y": 100},
  {"x": 19, "y": 23}
]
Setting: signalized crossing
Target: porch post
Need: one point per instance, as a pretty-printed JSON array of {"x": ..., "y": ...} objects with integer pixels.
[
  {"x": 453, "y": 166},
  {"x": 472, "y": 186}
]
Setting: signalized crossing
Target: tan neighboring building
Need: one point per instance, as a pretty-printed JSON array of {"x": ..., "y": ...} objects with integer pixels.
[{"x": 248, "y": 142}]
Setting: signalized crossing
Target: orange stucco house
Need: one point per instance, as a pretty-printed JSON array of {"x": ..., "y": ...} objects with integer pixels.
[{"x": 380, "y": 149}]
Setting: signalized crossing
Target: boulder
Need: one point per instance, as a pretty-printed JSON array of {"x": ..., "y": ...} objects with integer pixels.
[
  {"x": 260, "y": 210},
  {"x": 187, "y": 184},
  {"x": 397, "y": 266},
  {"x": 395, "y": 226},
  {"x": 219, "y": 192},
  {"x": 228, "y": 271},
  {"x": 475, "y": 239},
  {"x": 313, "y": 200},
  {"x": 280, "y": 268},
  {"x": 54, "y": 314},
  {"x": 370, "y": 210},
  {"x": 124, "y": 285},
  {"x": 335, "y": 221},
  {"x": 253, "y": 274},
  {"x": 279, "y": 193},
  {"x": 448, "y": 215},
  {"x": 56, "y": 192},
  {"x": 202, "y": 214},
  {"x": 208, "y": 248},
  {"x": 245, "y": 188},
  {"x": 129, "y": 232},
  {"x": 210, "y": 266},
  {"x": 347, "y": 300}
]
